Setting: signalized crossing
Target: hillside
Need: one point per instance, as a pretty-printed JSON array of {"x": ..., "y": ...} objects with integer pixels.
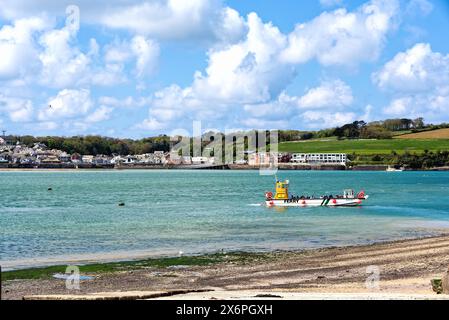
[
  {"x": 433, "y": 134},
  {"x": 365, "y": 147}
]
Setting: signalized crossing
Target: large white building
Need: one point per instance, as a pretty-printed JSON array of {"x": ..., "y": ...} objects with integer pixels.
[{"x": 320, "y": 158}]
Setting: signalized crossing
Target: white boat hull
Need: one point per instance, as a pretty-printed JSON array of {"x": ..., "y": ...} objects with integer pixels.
[{"x": 343, "y": 202}]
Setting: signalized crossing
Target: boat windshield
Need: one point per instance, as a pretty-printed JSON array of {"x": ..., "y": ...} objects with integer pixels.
[{"x": 349, "y": 193}]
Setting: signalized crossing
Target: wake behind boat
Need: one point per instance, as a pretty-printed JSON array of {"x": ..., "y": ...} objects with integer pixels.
[{"x": 281, "y": 198}]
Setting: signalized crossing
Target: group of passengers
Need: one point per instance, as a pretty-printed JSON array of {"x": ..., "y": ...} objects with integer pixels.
[{"x": 300, "y": 198}]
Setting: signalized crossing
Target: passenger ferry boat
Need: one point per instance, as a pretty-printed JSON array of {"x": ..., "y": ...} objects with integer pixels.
[{"x": 281, "y": 198}]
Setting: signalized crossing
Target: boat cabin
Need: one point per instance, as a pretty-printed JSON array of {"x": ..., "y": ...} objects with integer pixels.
[
  {"x": 348, "y": 194},
  {"x": 281, "y": 190}
]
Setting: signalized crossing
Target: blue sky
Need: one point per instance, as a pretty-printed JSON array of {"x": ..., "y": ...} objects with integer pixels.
[{"x": 140, "y": 68}]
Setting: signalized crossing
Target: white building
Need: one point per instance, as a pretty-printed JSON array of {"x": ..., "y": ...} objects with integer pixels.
[
  {"x": 2, "y": 141},
  {"x": 203, "y": 160},
  {"x": 87, "y": 159},
  {"x": 320, "y": 158}
]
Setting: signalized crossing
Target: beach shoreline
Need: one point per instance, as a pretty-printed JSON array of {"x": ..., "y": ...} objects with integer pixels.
[
  {"x": 373, "y": 168},
  {"x": 405, "y": 267}
]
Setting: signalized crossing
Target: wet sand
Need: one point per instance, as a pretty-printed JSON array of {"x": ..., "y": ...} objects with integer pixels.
[{"x": 405, "y": 267}]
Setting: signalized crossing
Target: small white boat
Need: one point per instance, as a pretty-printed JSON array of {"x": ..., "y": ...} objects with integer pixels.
[
  {"x": 393, "y": 169},
  {"x": 281, "y": 198}
]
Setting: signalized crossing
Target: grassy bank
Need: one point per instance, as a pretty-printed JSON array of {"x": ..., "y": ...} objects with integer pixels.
[
  {"x": 111, "y": 267},
  {"x": 365, "y": 147}
]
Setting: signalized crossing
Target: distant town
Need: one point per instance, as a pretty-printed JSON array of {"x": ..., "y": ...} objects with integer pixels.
[
  {"x": 400, "y": 144},
  {"x": 40, "y": 156}
]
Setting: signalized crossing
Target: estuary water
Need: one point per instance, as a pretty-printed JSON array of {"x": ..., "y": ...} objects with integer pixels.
[{"x": 169, "y": 212}]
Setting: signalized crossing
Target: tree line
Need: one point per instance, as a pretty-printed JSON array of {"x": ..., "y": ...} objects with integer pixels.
[
  {"x": 95, "y": 145},
  {"x": 360, "y": 129},
  {"x": 426, "y": 160}
]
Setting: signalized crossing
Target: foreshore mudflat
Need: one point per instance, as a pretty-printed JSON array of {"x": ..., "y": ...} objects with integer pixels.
[{"x": 401, "y": 267}]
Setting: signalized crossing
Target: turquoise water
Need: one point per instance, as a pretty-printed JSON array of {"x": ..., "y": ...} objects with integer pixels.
[{"x": 204, "y": 211}]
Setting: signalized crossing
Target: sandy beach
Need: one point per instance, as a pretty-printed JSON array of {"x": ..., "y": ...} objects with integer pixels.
[{"x": 405, "y": 268}]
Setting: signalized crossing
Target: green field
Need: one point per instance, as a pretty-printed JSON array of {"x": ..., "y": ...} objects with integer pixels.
[{"x": 365, "y": 147}]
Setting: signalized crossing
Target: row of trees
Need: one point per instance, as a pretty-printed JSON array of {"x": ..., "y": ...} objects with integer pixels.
[
  {"x": 426, "y": 160},
  {"x": 95, "y": 145},
  {"x": 359, "y": 130}
]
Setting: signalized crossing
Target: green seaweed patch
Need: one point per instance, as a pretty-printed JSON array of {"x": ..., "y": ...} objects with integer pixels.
[{"x": 167, "y": 262}]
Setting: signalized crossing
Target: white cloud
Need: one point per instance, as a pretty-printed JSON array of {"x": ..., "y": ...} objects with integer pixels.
[
  {"x": 341, "y": 37},
  {"x": 398, "y": 107},
  {"x": 265, "y": 124},
  {"x": 101, "y": 114},
  {"x": 176, "y": 19},
  {"x": 203, "y": 20},
  {"x": 254, "y": 72},
  {"x": 331, "y": 94},
  {"x": 151, "y": 124},
  {"x": 318, "y": 119},
  {"x": 128, "y": 102},
  {"x": 33, "y": 51},
  {"x": 47, "y": 125},
  {"x": 17, "y": 48},
  {"x": 281, "y": 108},
  {"x": 144, "y": 51},
  {"x": 68, "y": 103},
  {"x": 18, "y": 110},
  {"x": 418, "y": 80},
  {"x": 250, "y": 64},
  {"x": 63, "y": 65},
  {"x": 417, "y": 69},
  {"x": 147, "y": 54},
  {"x": 245, "y": 73}
]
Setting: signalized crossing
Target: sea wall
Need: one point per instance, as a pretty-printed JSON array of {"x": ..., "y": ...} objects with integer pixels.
[
  {"x": 290, "y": 166},
  {"x": 369, "y": 168}
]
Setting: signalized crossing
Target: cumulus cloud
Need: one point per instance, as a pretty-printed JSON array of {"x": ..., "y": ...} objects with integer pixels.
[
  {"x": 257, "y": 70},
  {"x": 204, "y": 20},
  {"x": 18, "y": 110},
  {"x": 101, "y": 114},
  {"x": 341, "y": 37},
  {"x": 243, "y": 73},
  {"x": 68, "y": 103},
  {"x": 250, "y": 63},
  {"x": 128, "y": 102},
  {"x": 18, "y": 51},
  {"x": 147, "y": 53},
  {"x": 317, "y": 119},
  {"x": 177, "y": 19},
  {"x": 62, "y": 64},
  {"x": 330, "y": 94},
  {"x": 418, "y": 80},
  {"x": 417, "y": 69},
  {"x": 34, "y": 51}
]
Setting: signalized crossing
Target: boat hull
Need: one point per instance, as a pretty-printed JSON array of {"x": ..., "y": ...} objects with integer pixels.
[{"x": 348, "y": 202}]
